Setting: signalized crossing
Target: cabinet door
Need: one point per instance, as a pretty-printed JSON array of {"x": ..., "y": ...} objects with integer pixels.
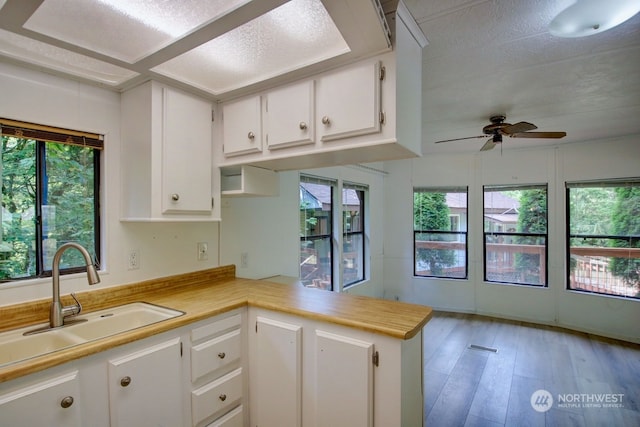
[
  {"x": 145, "y": 387},
  {"x": 358, "y": 113},
  {"x": 344, "y": 372},
  {"x": 242, "y": 126},
  {"x": 278, "y": 377},
  {"x": 55, "y": 402},
  {"x": 290, "y": 117},
  {"x": 186, "y": 153}
]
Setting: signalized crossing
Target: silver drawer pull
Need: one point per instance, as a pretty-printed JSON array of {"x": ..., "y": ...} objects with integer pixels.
[
  {"x": 222, "y": 397},
  {"x": 222, "y": 355},
  {"x": 124, "y": 382},
  {"x": 66, "y": 402},
  {"x": 251, "y": 135},
  {"x": 325, "y": 120},
  {"x": 303, "y": 126},
  {"x": 175, "y": 197}
]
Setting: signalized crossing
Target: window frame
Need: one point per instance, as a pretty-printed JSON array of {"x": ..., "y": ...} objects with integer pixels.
[
  {"x": 363, "y": 246},
  {"x": 42, "y": 136},
  {"x": 337, "y": 232},
  {"x": 332, "y": 184},
  {"x": 545, "y": 235},
  {"x": 464, "y": 233},
  {"x": 569, "y": 235}
]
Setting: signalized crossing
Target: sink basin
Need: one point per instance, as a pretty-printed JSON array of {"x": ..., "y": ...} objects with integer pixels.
[
  {"x": 124, "y": 318},
  {"x": 16, "y": 346}
]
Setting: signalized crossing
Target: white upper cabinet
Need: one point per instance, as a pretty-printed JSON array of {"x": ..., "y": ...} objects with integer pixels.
[
  {"x": 167, "y": 156},
  {"x": 349, "y": 102},
  {"x": 363, "y": 112},
  {"x": 290, "y": 115},
  {"x": 242, "y": 129},
  {"x": 186, "y": 153}
]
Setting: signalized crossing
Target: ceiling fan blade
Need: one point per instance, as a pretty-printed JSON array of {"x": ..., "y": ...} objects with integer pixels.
[
  {"x": 518, "y": 128},
  {"x": 460, "y": 139},
  {"x": 538, "y": 135},
  {"x": 489, "y": 145}
]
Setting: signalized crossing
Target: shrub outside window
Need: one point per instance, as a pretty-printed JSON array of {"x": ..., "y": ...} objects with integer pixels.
[
  {"x": 50, "y": 192},
  {"x": 603, "y": 241},
  {"x": 440, "y": 232},
  {"x": 515, "y": 234}
]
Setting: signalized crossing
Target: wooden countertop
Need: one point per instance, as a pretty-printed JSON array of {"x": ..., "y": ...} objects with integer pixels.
[{"x": 207, "y": 293}]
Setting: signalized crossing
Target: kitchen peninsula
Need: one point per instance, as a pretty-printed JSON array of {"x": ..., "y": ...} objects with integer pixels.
[{"x": 274, "y": 332}]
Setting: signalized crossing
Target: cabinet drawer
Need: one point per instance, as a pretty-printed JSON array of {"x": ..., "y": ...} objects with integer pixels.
[
  {"x": 232, "y": 419},
  {"x": 215, "y": 328},
  {"x": 214, "y": 354},
  {"x": 216, "y": 396}
]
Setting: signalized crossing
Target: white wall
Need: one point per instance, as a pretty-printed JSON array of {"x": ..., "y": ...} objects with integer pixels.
[
  {"x": 267, "y": 228},
  {"x": 554, "y": 305},
  {"x": 165, "y": 249}
]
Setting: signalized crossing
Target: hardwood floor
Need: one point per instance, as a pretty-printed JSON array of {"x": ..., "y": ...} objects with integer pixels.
[{"x": 480, "y": 387}]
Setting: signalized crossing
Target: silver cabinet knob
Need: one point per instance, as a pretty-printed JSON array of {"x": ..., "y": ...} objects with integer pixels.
[
  {"x": 175, "y": 197},
  {"x": 66, "y": 402},
  {"x": 303, "y": 126},
  {"x": 222, "y": 355},
  {"x": 125, "y": 381},
  {"x": 251, "y": 135},
  {"x": 222, "y": 397},
  {"x": 325, "y": 120}
]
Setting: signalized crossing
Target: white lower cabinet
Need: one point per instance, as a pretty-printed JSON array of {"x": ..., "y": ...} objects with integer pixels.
[
  {"x": 245, "y": 368},
  {"x": 317, "y": 374},
  {"x": 53, "y": 402},
  {"x": 145, "y": 387},
  {"x": 276, "y": 385},
  {"x": 190, "y": 376},
  {"x": 344, "y": 372},
  {"x": 218, "y": 379}
]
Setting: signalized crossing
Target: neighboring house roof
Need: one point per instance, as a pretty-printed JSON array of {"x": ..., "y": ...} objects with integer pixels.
[
  {"x": 316, "y": 195},
  {"x": 495, "y": 201}
]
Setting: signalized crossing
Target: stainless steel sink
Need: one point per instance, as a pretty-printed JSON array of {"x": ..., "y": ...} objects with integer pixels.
[{"x": 15, "y": 346}]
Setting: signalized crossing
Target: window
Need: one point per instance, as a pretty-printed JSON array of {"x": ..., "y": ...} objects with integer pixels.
[
  {"x": 440, "y": 232},
  {"x": 515, "y": 234},
  {"x": 318, "y": 206},
  {"x": 50, "y": 192},
  {"x": 316, "y": 230},
  {"x": 603, "y": 241},
  {"x": 353, "y": 238}
]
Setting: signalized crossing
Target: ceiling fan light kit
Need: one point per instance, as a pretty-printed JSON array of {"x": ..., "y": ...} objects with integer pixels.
[
  {"x": 588, "y": 17},
  {"x": 498, "y": 128}
]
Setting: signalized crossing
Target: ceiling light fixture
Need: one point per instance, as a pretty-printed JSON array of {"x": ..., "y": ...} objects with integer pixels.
[{"x": 587, "y": 17}]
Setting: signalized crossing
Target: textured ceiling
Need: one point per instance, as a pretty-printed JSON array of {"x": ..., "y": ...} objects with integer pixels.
[
  {"x": 484, "y": 57},
  {"x": 497, "y": 57}
]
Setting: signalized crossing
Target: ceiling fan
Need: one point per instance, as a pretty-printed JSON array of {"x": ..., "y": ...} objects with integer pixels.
[{"x": 498, "y": 128}]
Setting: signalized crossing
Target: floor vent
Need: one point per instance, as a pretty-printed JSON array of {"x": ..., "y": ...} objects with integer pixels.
[{"x": 483, "y": 348}]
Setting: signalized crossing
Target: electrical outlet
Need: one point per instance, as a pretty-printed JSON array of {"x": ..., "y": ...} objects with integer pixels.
[
  {"x": 244, "y": 260},
  {"x": 203, "y": 251},
  {"x": 133, "y": 260}
]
